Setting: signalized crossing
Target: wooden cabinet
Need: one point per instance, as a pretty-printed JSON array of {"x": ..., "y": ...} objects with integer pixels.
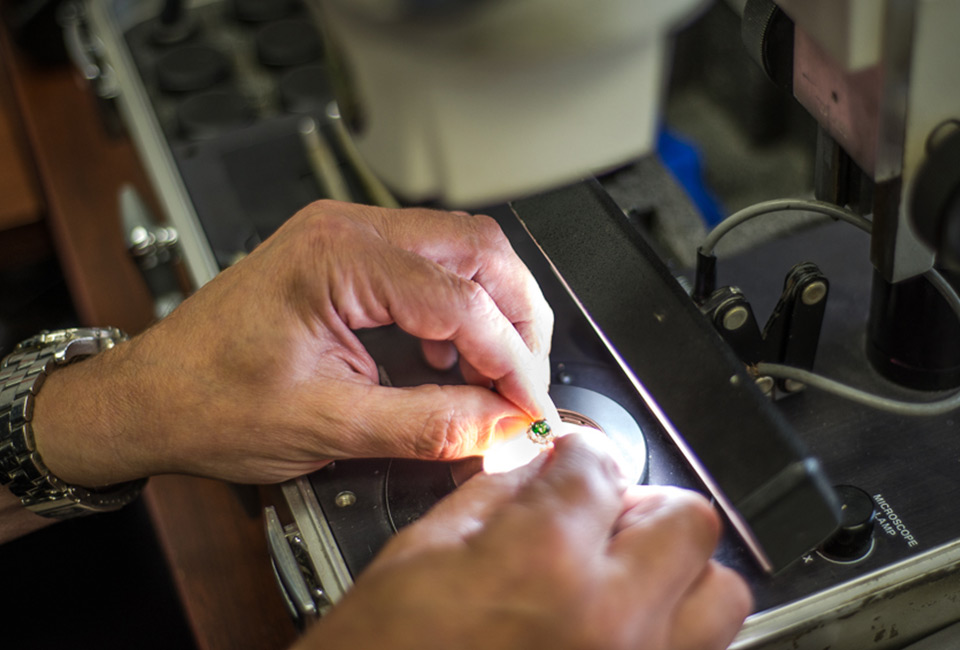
[
  {"x": 20, "y": 203},
  {"x": 59, "y": 166}
]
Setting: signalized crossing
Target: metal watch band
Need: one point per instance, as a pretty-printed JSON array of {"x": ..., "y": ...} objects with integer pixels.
[{"x": 22, "y": 373}]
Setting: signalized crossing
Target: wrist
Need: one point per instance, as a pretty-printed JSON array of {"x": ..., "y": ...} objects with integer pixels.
[
  {"x": 84, "y": 422},
  {"x": 23, "y": 374}
]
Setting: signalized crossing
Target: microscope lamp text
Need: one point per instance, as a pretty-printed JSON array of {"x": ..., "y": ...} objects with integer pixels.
[{"x": 890, "y": 522}]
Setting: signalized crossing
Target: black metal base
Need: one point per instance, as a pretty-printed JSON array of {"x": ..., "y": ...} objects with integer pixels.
[{"x": 913, "y": 335}]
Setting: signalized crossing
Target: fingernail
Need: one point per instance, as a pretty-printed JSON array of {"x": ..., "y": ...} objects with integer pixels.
[
  {"x": 548, "y": 408},
  {"x": 510, "y": 427}
]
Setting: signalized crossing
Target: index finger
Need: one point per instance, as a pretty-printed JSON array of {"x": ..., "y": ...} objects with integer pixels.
[
  {"x": 475, "y": 248},
  {"x": 431, "y": 302},
  {"x": 567, "y": 489},
  {"x": 570, "y": 508},
  {"x": 667, "y": 534}
]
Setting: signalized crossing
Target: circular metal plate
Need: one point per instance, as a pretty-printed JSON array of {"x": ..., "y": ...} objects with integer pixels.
[{"x": 412, "y": 487}]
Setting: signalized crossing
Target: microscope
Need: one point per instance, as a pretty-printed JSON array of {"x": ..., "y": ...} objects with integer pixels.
[
  {"x": 841, "y": 516},
  {"x": 878, "y": 79}
]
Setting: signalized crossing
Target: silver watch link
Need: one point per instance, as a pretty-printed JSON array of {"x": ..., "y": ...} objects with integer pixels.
[{"x": 22, "y": 374}]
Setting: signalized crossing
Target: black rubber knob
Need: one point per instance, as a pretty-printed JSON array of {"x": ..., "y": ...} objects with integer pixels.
[
  {"x": 305, "y": 90},
  {"x": 288, "y": 43},
  {"x": 854, "y": 539},
  {"x": 213, "y": 113},
  {"x": 189, "y": 68},
  {"x": 262, "y": 11},
  {"x": 767, "y": 33}
]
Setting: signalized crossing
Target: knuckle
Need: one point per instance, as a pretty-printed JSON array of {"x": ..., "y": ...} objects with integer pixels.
[
  {"x": 432, "y": 443},
  {"x": 468, "y": 292},
  {"x": 462, "y": 300},
  {"x": 489, "y": 231},
  {"x": 473, "y": 298},
  {"x": 674, "y": 513},
  {"x": 321, "y": 222},
  {"x": 693, "y": 522},
  {"x": 595, "y": 466},
  {"x": 319, "y": 211},
  {"x": 548, "y": 317},
  {"x": 699, "y": 513},
  {"x": 690, "y": 508},
  {"x": 323, "y": 206},
  {"x": 444, "y": 435}
]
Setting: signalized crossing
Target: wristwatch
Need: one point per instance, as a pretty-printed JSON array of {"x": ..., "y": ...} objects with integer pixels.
[{"x": 22, "y": 373}]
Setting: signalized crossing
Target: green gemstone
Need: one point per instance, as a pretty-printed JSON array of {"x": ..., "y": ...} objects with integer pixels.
[{"x": 540, "y": 428}]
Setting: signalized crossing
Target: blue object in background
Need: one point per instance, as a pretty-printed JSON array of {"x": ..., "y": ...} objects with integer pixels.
[{"x": 683, "y": 160}]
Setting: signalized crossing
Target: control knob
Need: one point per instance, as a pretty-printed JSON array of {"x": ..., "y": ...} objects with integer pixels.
[{"x": 854, "y": 539}]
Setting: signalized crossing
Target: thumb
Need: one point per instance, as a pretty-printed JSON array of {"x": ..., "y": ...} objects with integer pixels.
[{"x": 429, "y": 422}]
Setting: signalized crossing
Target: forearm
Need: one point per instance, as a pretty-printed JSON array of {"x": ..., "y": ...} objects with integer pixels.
[
  {"x": 15, "y": 520},
  {"x": 83, "y": 427},
  {"x": 259, "y": 377},
  {"x": 91, "y": 421}
]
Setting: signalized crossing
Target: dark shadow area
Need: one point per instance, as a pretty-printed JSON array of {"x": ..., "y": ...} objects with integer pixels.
[{"x": 94, "y": 582}]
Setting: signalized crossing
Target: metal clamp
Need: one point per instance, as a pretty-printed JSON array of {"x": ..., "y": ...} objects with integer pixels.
[
  {"x": 301, "y": 592},
  {"x": 791, "y": 334},
  {"x": 86, "y": 51}
]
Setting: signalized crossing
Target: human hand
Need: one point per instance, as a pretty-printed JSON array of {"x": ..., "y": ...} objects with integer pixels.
[
  {"x": 259, "y": 377},
  {"x": 554, "y": 555}
]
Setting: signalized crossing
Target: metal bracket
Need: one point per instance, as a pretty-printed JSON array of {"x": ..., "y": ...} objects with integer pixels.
[{"x": 791, "y": 334}]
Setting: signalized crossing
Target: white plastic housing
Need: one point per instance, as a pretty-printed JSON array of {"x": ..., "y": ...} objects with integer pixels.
[
  {"x": 850, "y": 30},
  {"x": 506, "y": 99}
]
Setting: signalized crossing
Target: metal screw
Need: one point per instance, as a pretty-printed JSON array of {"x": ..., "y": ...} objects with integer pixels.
[
  {"x": 345, "y": 499},
  {"x": 765, "y": 383},
  {"x": 814, "y": 293},
  {"x": 735, "y": 318}
]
